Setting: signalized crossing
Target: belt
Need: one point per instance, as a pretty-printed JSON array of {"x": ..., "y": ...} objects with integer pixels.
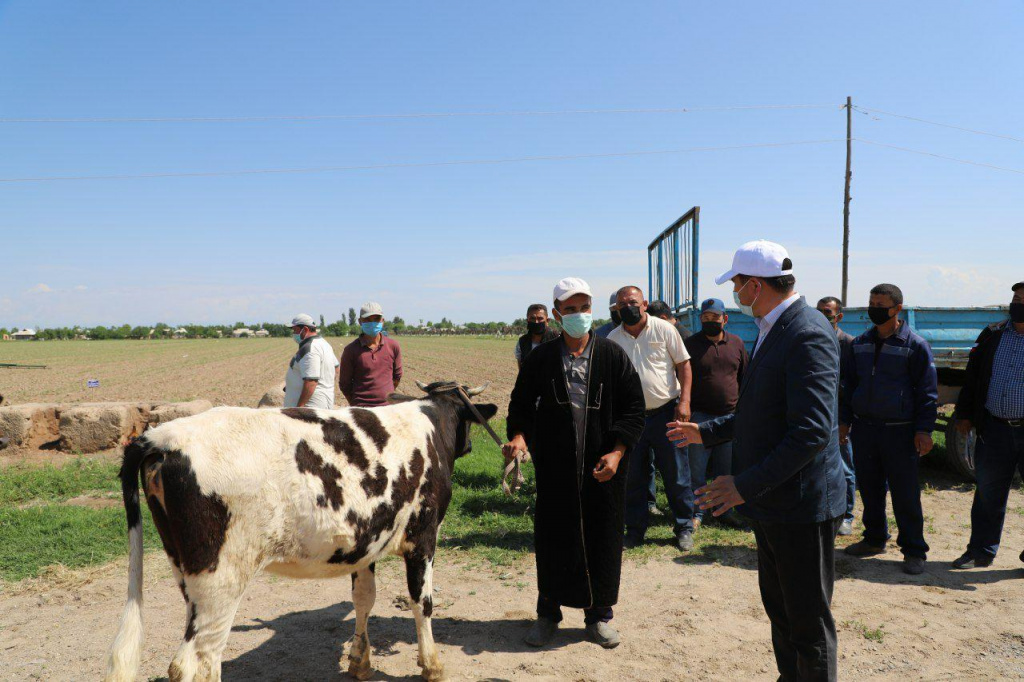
[
  {"x": 1015, "y": 423},
  {"x": 881, "y": 422},
  {"x": 660, "y": 408}
]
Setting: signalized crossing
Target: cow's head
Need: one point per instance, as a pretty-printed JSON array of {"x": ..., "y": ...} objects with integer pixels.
[{"x": 447, "y": 406}]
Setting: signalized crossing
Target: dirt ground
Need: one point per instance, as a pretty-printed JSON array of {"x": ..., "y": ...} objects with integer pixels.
[{"x": 694, "y": 618}]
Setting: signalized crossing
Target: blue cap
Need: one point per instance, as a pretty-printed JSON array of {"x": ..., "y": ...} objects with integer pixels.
[{"x": 713, "y": 304}]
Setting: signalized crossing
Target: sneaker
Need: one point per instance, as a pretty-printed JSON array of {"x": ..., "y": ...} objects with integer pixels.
[
  {"x": 653, "y": 510},
  {"x": 632, "y": 541},
  {"x": 541, "y": 632},
  {"x": 913, "y": 565},
  {"x": 604, "y": 634},
  {"x": 864, "y": 548},
  {"x": 968, "y": 560},
  {"x": 846, "y": 527},
  {"x": 684, "y": 541},
  {"x": 698, "y": 522}
]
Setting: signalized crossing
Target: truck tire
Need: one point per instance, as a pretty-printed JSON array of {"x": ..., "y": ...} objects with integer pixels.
[{"x": 960, "y": 451}]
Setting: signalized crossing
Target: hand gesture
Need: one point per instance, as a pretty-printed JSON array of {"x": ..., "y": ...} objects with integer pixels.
[
  {"x": 509, "y": 449},
  {"x": 607, "y": 466},
  {"x": 683, "y": 433},
  {"x": 923, "y": 443},
  {"x": 720, "y": 495}
]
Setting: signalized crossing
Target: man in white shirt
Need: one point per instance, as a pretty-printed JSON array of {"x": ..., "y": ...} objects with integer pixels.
[
  {"x": 313, "y": 370},
  {"x": 660, "y": 358}
]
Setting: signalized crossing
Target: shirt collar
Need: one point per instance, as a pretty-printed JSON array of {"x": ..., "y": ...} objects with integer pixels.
[{"x": 768, "y": 321}]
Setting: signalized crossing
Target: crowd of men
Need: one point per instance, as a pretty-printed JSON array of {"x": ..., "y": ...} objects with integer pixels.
[{"x": 776, "y": 441}]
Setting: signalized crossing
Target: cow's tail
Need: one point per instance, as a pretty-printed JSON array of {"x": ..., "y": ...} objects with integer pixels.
[{"x": 126, "y": 651}]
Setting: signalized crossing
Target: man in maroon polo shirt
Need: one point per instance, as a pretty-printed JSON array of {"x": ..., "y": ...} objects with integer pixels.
[{"x": 371, "y": 366}]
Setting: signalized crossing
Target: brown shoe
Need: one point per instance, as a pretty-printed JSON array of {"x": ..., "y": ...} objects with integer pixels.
[{"x": 864, "y": 548}]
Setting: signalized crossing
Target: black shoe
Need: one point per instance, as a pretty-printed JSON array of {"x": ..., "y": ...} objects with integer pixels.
[
  {"x": 632, "y": 541},
  {"x": 1022, "y": 556},
  {"x": 913, "y": 565},
  {"x": 684, "y": 541},
  {"x": 968, "y": 560},
  {"x": 864, "y": 548}
]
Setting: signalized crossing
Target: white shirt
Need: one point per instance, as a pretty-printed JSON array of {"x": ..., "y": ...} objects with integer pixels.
[
  {"x": 655, "y": 354},
  {"x": 765, "y": 324},
  {"x": 318, "y": 363}
]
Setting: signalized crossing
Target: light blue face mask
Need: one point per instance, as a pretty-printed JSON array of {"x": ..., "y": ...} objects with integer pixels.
[
  {"x": 745, "y": 309},
  {"x": 577, "y": 324},
  {"x": 371, "y": 328},
  {"x": 297, "y": 338}
]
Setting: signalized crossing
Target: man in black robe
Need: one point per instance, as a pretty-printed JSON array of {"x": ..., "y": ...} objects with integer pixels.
[{"x": 579, "y": 406}]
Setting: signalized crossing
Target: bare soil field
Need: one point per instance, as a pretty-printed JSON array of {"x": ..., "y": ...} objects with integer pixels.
[{"x": 224, "y": 371}]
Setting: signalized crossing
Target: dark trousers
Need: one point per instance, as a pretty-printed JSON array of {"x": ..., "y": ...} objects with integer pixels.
[
  {"x": 995, "y": 458},
  {"x": 675, "y": 474},
  {"x": 846, "y": 452},
  {"x": 884, "y": 455},
  {"x": 796, "y": 572},
  {"x": 552, "y": 610},
  {"x": 718, "y": 456}
]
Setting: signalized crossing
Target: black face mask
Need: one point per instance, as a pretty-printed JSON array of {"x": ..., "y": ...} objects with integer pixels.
[
  {"x": 1017, "y": 312},
  {"x": 879, "y": 314},
  {"x": 536, "y": 327},
  {"x": 616, "y": 318},
  {"x": 630, "y": 315},
  {"x": 710, "y": 328}
]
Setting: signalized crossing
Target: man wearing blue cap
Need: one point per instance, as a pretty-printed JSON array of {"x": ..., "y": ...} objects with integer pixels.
[{"x": 718, "y": 359}]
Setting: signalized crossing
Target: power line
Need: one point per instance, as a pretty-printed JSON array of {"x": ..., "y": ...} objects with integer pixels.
[
  {"x": 361, "y": 117},
  {"x": 429, "y": 164},
  {"x": 941, "y": 125},
  {"x": 940, "y": 156}
]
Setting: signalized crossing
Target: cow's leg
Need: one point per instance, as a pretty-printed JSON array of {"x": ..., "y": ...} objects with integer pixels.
[
  {"x": 364, "y": 593},
  {"x": 212, "y": 599},
  {"x": 419, "y": 569}
]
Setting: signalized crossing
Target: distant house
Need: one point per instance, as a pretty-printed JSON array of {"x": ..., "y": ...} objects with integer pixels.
[
  {"x": 243, "y": 333},
  {"x": 262, "y": 333},
  {"x": 180, "y": 333},
  {"x": 24, "y": 335}
]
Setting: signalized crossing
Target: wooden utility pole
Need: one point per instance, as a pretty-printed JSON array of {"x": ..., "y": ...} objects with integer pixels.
[{"x": 846, "y": 198}]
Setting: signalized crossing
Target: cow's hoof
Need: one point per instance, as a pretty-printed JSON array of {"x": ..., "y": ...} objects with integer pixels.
[
  {"x": 435, "y": 674},
  {"x": 360, "y": 670}
]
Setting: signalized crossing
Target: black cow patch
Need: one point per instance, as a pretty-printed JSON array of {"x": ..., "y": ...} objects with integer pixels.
[
  {"x": 192, "y": 526},
  {"x": 375, "y": 485},
  {"x": 311, "y": 463},
  {"x": 428, "y": 606},
  {"x": 190, "y": 629},
  {"x": 340, "y": 436},
  {"x": 370, "y": 423},
  {"x": 303, "y": 414},
  {"x": 408, "y": 480}
]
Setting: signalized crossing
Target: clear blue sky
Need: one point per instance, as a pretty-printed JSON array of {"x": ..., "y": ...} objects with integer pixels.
[{"x": 480, "y": 242}]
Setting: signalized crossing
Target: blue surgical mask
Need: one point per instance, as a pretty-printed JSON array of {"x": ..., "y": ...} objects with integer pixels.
[
  {"x": 371, "y": 328},
  {"x": 297, "y": 338},
  {"x": 745, "y": 309},
  {"x": 577, "y": 324}
]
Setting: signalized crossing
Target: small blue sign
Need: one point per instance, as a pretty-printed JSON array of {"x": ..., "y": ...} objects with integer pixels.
[{"x": 93, "y": 383}]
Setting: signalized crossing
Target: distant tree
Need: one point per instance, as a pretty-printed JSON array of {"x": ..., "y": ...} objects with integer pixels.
[
  {"x": 352, "y": 317},
  {"x": 322, "y": 323}
]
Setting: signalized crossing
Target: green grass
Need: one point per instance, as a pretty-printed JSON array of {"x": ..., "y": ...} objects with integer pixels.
[
  {"x": 483, "y": 525},
  {"x": 876, "y": 635}
]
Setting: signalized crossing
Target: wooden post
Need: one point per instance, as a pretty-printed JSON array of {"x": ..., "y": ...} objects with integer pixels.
[{"x": 846, "y": 198}]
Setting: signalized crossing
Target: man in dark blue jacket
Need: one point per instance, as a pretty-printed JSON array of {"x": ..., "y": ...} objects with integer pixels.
[
  {"x": 788, "y": 474},
  {"x": 890, "y": 396}
]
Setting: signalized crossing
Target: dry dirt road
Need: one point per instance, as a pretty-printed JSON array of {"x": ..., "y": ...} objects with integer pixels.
[{"x": 698, "y": 618}]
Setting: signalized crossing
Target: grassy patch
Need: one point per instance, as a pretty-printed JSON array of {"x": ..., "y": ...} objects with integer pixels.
[
  {"x": 21, "y": 484},
  {"x": 876, "y": 635}
]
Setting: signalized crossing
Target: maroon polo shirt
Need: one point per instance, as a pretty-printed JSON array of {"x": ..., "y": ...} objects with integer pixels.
[
  {"x": 717, "y": 371},
  {"x": 368, "y": 376}
]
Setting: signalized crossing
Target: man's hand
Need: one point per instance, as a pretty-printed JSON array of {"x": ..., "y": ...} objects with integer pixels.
[
  {"x": 923, "y": 443},
  {"x": 683, "y": 433},
  {"x": 844, "y": 434},
  {"x": 964, "y": 426},
  {"x": 683, "y": 411},
  {"x": 509, "y": 449},
  {"x": 720, "y": 495},
  {"x": 607, "y": 466}
]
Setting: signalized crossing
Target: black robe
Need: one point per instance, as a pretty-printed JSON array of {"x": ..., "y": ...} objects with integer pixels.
[{"x": 578, "y": 522}]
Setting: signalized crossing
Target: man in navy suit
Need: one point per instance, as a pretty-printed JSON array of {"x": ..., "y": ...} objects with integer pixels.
[{"x": 787, "y": 471}]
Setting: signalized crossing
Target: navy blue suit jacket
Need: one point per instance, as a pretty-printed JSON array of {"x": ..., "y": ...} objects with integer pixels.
[{"x": 785, "y": 430}]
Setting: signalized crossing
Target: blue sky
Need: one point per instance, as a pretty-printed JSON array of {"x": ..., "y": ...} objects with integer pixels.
[{"x": 479, "y": 242}]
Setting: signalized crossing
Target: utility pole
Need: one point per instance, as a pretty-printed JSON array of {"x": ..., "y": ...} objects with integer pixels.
[{"x": 846, "y": 198}]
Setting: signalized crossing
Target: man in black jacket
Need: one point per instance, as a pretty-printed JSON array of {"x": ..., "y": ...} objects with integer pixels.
[
  {"x": 538, "y": 331},
  {"x": 579, "y": 406},
  {"x": 832, "y": 308},
  {"x": 992, "y": 402},
  {"x": 788, "y": 477}
]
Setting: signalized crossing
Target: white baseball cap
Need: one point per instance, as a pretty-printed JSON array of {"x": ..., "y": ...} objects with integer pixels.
[
  {"x": 570, "y": 286},
  {"x": 303, "y": 320},
  {"x": 370, "y": 308},
  {"x": 759, "y": 258}
]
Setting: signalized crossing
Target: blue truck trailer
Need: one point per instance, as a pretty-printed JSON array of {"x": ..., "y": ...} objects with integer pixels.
[{"x": 672, "y": 261}]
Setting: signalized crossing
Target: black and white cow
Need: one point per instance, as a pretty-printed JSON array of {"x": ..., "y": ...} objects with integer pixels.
[{"x": 302, "y": 493}]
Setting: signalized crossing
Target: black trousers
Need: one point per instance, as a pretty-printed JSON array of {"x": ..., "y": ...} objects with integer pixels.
[{"x": 796, "y": 572}]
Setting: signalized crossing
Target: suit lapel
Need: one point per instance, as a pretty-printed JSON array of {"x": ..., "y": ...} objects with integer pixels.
[{"x": 773, "y": 336}]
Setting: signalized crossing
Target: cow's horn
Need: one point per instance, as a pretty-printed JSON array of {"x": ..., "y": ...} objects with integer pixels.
[
  {"x": 423, "y": 386},
  {"x": 478, "y": 390}
]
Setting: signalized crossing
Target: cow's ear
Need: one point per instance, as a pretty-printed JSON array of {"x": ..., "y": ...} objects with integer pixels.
[
  {"x": 486, "y": 411},
  {"x": 400, "y": 398}
]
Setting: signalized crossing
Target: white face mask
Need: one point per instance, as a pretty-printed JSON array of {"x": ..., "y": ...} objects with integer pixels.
[{"x": 745, "y": 309}]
